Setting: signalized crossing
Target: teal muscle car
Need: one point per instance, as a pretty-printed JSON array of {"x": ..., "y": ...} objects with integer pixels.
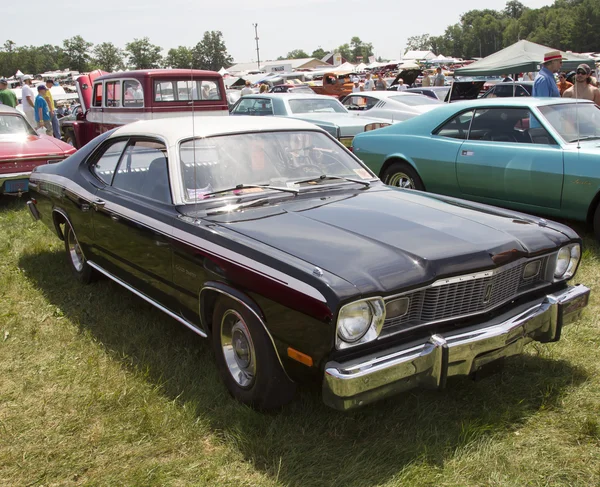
[{"x": 539, "y": 155}]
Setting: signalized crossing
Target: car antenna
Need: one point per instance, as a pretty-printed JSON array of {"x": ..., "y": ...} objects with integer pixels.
[
  {"x": 191, "y": 92},
  {"x": 577, "y": 112}
]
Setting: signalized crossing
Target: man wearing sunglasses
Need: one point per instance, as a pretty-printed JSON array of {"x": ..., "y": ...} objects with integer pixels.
[
  {"x": 583, "y": 87},
  {"x": 544, "y": 84}
]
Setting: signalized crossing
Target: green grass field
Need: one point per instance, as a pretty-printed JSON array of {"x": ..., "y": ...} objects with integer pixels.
[{"x": 98, "y": 388}]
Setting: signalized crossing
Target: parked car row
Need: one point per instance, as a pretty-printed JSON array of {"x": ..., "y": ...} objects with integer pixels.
[{"x": 267, "y": 236}]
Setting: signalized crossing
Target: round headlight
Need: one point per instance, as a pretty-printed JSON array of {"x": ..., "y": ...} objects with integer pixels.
[
  {"x": 354, "y": 321},
  {"x": 575, "y": 256},
  {"x": 562, "y": 262}
]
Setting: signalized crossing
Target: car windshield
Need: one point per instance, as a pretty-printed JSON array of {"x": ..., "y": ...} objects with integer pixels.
[
  {"x": 573, "y": 121},
  {"x": 316, "y": 105},
  {"x": 14, "y": 125},
  {"x": 280, "y": 159},
  {"x": 416, "y": 100}
]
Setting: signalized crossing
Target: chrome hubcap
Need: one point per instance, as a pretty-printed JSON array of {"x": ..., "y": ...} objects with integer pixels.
[
  {"x": 75, "y": 252},
  {"x": 238, "y": 349},
  {"x": 401, "y": 180}
]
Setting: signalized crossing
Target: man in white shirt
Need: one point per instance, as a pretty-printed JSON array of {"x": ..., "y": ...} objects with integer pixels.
[
  {"x": 246, "y": 90},
  {"x": 356, "y": 88},
  {"x": 401, "y": 86},
  {"x": 368, "y": 85},
  {"x": 28, "y": 100}
]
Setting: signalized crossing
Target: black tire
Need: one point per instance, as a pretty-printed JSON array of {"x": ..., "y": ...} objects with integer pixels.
[
  {"x": 596, "y": 223},
  {"x": 402, "y": 175},
  {"x": 261, "y": 382},
  {"x": 69, "y": 137},
  {"x": 77, "y": 261}
]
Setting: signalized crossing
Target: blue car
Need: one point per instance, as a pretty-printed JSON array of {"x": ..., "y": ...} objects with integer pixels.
[{"x": 539, "y": 155}]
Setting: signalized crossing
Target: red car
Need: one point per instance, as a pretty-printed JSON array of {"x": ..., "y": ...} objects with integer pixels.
[{"x": 22, "y": 149}]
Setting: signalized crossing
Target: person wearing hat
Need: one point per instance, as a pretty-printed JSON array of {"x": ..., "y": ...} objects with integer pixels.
[
  {"x": 247, "y": 90},
  {"x": 7, "y": 97},
  {"x": 583, "y": 87},
  {"x": 42, "y": 112},
  {"x": 53, "y": 116},
  {"x": 545, "y": 84},
  {"x": 28, "y": 100}
]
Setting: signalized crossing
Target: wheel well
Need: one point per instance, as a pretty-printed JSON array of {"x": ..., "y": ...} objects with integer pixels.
[
  {"x": 401, "y": 160},
  {"x": 208, "y": 300},
  {"x": 592, "y": 208},
  {"x": 59, "y": 219},
  {"x": 391, "y": 161}
]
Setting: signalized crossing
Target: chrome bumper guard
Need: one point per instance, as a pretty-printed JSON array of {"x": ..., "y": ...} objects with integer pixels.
[{"x": 428, "y": 364}]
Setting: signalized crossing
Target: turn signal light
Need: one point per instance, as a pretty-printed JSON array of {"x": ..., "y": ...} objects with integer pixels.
[{"x": 300, "y": 357}]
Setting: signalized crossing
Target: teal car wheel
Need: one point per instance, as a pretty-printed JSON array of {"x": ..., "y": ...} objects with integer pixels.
[{"x": 402, "y": 175}]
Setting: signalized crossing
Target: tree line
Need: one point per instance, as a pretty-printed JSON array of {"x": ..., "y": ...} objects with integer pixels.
[
  {"x": 566, "y": 25},
  {"x": 80, "y": 55},
  {"x": 355, "y": 51}
]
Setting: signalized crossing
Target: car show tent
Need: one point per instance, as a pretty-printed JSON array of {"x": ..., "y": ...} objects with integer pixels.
[{"x": 523, "y": 56}]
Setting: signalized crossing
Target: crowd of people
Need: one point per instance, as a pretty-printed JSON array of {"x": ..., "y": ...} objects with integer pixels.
[
  {"x": 37, "y": 104},
  {"x": 585, "y": 85}
]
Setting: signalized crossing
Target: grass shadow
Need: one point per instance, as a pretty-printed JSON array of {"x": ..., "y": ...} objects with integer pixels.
[
  {"x": 305, "y": 443},
  {"x": 12, "y": 203}
]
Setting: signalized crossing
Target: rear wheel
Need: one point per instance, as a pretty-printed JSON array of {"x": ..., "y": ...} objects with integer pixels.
[
  {"x": 77, "y": 261},
  {"x": 402, "y": 175},
  {"x": 246, "y": 358},
  {"x": 596, "y": 222}
]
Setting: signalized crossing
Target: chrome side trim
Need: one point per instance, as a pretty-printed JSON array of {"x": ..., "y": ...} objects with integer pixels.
[
  {"x": 427, "y": 363},
  {"x": 211, "y": 288},
  {"x": 147, "y": 299},
  {"x": 14, "y": 175},
  {"x": 185, "y": 237}
]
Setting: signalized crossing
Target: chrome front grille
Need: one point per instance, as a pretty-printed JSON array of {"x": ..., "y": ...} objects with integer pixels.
[{"x": 462, "y": 296}]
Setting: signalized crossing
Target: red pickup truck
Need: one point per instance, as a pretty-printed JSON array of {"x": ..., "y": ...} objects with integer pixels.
[{"x": 111, "y": 100}]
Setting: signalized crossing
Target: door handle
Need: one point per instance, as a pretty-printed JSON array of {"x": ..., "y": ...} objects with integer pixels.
[
  {"x": 98, "y": 204},
  {"x": 467, "y": 153}
]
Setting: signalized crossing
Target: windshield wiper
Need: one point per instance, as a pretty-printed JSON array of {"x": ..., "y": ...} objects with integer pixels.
[
  {"x": 324, "y": 177},
  {"x": 246, "y": 186},
  {"x": 239, "y": 206},
  {"x": 585, "y": 137}
]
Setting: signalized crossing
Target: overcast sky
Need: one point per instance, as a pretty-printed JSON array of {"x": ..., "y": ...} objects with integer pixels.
[{"x": 283, "y": 25}]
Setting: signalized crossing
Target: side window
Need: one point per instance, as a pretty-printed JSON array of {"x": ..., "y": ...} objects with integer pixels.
[
  {"x": 163, "y": 91},
  {"x": 358, "y": 102},
  {"x": 505, "y": 90},
  {"x": 97, "y": 99},
  {"x": 209, "y": 90},
  {"x": 508, "y": 125},
  {"x": 143, "y": 171},
  {"x": 104, "y": 168},
  {"x": 133, "y": 94},
  {"x": 458, "y": 127},
  {"x": 112, "y": 94}
]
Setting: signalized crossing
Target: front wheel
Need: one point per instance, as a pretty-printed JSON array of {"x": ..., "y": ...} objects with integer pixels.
[
  {"x": 246, "y": 359},
  {"x": 402, "y": 175},
  {"x": 77, "y": 261}
]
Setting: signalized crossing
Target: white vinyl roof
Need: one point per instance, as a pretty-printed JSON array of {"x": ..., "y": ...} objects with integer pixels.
[{"x": 172, "y": 130}]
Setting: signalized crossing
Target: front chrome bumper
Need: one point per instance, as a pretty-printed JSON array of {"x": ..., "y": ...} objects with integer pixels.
[{"x": 428, "y": 364}]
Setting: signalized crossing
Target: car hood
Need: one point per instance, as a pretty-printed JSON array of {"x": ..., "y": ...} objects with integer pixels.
[
  {"x": 15, "y": 147},
  {"x": 382, "y": 240}
]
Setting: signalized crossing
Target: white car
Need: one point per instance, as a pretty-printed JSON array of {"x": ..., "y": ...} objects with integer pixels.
[{"x": 389, "y": 105}]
